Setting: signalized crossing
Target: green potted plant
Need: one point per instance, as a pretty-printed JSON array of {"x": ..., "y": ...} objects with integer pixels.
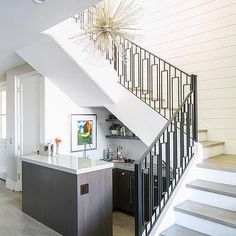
[{"x": 115, "y": 129}]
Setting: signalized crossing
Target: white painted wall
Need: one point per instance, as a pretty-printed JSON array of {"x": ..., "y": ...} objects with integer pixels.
[
  {"x": 58, "y": 107},
  {"x": 148, "y": 123},
  {"x": 199, "y": 37},
  {"x": 11, "y": 134}
]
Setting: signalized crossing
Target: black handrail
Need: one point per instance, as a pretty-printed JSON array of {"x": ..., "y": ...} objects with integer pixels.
[{"x": 163, "y": 130}]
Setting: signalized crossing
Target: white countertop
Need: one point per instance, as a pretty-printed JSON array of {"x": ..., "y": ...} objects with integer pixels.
[{"x": 67, "y": 163}]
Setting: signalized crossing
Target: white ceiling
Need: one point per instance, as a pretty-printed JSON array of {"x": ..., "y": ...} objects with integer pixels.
[{"x": 22, "y": 21}]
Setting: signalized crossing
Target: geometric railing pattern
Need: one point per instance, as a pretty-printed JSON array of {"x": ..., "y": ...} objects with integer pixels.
[{"x": 173, "y": 94}]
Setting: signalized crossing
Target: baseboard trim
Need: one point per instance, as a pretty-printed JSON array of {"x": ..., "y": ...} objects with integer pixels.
[
  {"x": 3, "y": 176},
  {"x": 10, "y": 184}
]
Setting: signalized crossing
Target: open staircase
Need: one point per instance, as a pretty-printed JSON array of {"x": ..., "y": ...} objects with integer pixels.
[
  {"x": 210, "y": 205},
  {"x": 172, "y": 93},
  {"x": 172, "y": 96}
]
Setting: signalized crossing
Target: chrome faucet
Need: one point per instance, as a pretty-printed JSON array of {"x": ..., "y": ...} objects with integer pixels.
[{"x": 84, "y": 150}]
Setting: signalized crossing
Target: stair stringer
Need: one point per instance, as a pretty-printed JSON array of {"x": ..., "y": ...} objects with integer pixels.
[
  {"x": 126, "y": 107},
  {"x": 102, "y": 81},
  {"x": 52, "y": 62}
]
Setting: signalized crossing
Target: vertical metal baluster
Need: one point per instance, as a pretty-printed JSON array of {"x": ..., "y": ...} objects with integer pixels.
[
  {"x": 131, "y": 67},
  {"x": 181, "y": 86},
  {"x": 138, "y": 200},
  {"x": 188, "y": 129},
  {"x": 181, "y": 140},
  {"x": 175, "y": 149},
  {"x": 115, "y": 58},
  {"x": 195, "y": 107},
  {"x": 160, "y": 85},
  {"x": 168, "y": 163},
  {"x": 151, "y": 185},
  {"x": 159, "y": 176},
  {"x": 170, "y": 93}
]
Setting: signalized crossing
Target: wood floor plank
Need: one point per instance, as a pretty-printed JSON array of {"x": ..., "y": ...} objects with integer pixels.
[
  {"x": 123, "y": 224},
  {"x": 13, "y": 221}
]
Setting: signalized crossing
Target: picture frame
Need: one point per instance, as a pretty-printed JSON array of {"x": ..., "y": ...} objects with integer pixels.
[{"x": 83, "y": 132}]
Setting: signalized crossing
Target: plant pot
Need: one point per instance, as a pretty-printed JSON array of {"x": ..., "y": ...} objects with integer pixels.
[{"x": 114, "y": 132}]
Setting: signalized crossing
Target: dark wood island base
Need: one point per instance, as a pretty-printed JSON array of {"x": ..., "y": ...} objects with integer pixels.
[{"x": 71, "y": 204}]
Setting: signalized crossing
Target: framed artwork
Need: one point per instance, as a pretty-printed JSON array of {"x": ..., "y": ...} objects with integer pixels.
[{"x": 83, "y": 132}]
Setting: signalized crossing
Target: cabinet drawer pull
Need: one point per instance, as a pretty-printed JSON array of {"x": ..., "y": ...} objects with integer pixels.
[{"x": 123, "y": 173}]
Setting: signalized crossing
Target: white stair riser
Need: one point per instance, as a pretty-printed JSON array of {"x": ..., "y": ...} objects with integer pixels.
[
  {"x": 211, "y": 199},
  {"x": 202, "y": 136},
  {"x": 219, "y": 176},
  {"x": 203, "y": 226},
  {"x": 212, "y": 151}
]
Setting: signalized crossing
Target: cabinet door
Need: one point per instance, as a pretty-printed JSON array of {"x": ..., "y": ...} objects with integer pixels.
[
  {"x": 132, "y": 193},
  {"x": 114, "y": 187},
  {"x": 123, "y": 190}
]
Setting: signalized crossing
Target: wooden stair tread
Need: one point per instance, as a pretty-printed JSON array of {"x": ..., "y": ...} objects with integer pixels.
[
  {"x": 224, "y": 162},
  {"x": 206, "y": 212},
  {"x": 202, "y": 131},
  {"x": 213, "y": 187},
  {"x": 207, "y": 144},
  {"x": 177, "y": 230}
]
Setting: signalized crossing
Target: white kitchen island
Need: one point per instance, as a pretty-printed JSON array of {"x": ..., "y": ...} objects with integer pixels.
[{"x": 71, "y": 195}]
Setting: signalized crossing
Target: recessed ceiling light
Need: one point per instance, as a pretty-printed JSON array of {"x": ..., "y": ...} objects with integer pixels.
[{"x": 40, "y": 1}]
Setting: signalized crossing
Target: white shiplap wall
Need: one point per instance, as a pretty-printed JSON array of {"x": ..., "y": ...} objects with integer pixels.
[{"x": 200, "y": 38}]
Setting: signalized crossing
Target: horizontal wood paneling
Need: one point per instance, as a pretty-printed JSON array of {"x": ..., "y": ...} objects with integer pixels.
[
  {"x": 217, "y": 93},
  {"x": 199, "y": 37},
  {"x": 222, "y": 123},
  {"x": 220, "y": 83},
  {"x": 218, "y": 114},
  {"x": 217, "y": 103},
  {"x": 209, "y": 54}
]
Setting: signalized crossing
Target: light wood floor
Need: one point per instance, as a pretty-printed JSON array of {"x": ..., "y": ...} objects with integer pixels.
[
  {"x": 123, "y": 225},
  {"x": 13, "y": 222}
]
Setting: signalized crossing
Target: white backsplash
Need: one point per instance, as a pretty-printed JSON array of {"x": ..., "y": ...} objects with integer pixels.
[{"x": 133, "y": 149}]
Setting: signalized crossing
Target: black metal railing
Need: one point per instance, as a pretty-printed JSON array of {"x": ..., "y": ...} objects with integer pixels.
[
  {"x": 173, "y": 94},
  {"x": 156, "y": 182},
  {"x": 156, "y": 82}
]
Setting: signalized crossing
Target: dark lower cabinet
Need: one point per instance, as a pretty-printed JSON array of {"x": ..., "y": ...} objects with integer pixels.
[
  {"x": 132, "y": 192},
  {"x": 124, "y": 192}
]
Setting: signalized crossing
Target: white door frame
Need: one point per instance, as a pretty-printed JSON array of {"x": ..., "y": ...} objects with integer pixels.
[
  {"x": 19, "y": 120},
  {"x": 3, "y": 87}
]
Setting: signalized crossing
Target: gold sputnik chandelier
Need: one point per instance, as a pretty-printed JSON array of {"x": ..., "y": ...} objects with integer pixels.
[{"x": 109, "y": 21}]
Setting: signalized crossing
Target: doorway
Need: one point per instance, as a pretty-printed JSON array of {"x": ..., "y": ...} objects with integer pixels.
[
  {"x": 3, "y": 129},
  {"x": 28, "y": 118}
]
